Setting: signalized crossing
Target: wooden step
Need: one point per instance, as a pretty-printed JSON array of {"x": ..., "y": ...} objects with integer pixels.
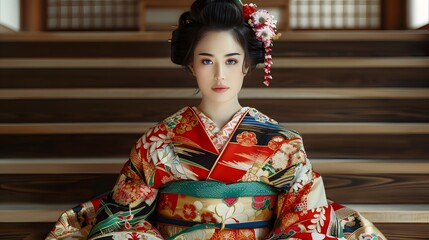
[
  {"x": 106, "y": 49},
  {"x": 310, "y": 77},
  {"x": 396, "y": 213},
  {"x": 358, "y": 35},
  {"x": 127, "y": 128},
  {"x": 357, "y": 188},
  {"x": 39, "y": 230},
  {"x": 155, "y": 44},
  {"x": 165, "y": 63},
  {"x": 245, "y": 93},
  {"x": 114, "y": 165},
  {"x": 72, "y": 105},
  {"x": 404, "y": 231},
  {"x": 154, "y": 110},
  {"x": 355, "y": 181},
  {"x": 343, "y": 146}
]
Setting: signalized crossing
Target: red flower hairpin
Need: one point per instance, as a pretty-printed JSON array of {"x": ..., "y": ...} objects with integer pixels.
[{"x": 264, "y": 25}]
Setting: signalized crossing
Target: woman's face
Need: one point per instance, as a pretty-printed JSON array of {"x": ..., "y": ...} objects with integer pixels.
[{"x": 218, "y": 66}]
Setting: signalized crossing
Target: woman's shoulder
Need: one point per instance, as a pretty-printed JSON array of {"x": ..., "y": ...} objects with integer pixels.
[
  {"x": 173, "y": 117},
  {"x": 166, "y": 123},
  {"x": 161, "y": 133}
]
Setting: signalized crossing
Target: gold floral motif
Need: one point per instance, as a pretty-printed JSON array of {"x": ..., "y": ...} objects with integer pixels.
[
  {"x": 298, "y": 157},
  {"x": 289, "y": 219},
  {"x": 249, "y": 177},
  {"x": 247, "y": 139},
  {"x": 275, "y": 142},
  {"x": 224, "y": 235},
  {"x": 127, "y": 191},
  {"x": 248, "y": 234},
  {"x": 149, "y": 170},
  {"x": 187, "y": 123}
]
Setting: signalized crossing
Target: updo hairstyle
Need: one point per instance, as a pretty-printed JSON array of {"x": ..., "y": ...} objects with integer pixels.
[{"x": 214, "y": 15}]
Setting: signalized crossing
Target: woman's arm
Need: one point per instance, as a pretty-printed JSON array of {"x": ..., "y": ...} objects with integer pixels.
[
  {"x": 130, "y": 203},
  {"x": 132, "y": 200},
  {"x": 123, "y": 212}
]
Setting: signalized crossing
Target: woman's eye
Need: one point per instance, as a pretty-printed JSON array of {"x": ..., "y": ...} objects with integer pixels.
[
  {"x": 231, "y": 62},
  {"x": 206, "y": 61}
]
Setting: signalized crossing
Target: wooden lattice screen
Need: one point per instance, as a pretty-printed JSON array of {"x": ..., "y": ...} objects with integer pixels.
[
  {"x": 92, "y": 15},
  {"x": 335, "y": 14},
  {"x": 66, "y": 15}
]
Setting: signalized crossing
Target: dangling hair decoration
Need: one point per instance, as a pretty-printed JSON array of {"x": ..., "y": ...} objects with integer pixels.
[{"x": 264, "y": 26}]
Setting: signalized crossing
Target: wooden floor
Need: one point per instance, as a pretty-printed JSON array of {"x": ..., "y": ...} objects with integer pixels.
[{"x": 71, "y": 106}]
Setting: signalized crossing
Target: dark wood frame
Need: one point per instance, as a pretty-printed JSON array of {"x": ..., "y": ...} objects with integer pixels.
[
  {"x": 33, "y": 14},
  {"x": 394, "y": 14}
]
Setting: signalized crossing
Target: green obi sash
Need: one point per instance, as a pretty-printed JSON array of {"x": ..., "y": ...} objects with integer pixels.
[{"x": 215, "y": 189}]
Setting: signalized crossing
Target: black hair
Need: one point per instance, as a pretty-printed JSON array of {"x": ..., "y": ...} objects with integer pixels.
[{"x": 214, "y": 15}]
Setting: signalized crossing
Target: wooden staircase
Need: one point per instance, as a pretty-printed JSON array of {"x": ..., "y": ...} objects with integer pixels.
[{"x": 72, "y": 104}]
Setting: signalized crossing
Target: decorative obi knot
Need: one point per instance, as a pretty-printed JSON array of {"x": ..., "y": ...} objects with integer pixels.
[{"x": 216, "y": 205}]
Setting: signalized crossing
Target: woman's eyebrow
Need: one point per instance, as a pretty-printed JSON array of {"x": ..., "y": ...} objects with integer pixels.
[
  {"x": 226, "y": 55},
  {"x": 206, "y": 54}
]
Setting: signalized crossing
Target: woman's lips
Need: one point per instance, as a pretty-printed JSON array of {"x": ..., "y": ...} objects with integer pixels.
[{"x": 220, "y": 89}]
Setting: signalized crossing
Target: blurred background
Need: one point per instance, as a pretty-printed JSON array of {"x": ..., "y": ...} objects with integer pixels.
[{"x": 81, "y": 80}]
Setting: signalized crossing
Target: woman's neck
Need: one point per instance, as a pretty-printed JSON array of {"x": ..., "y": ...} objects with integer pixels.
[{"x": 220, "y": 114}]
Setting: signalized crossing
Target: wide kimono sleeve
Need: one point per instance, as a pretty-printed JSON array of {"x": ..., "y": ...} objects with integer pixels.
[
  {"x": 303, "y": 211},
  {"x": 130, "y": 204},
  {"x": 123, "y": 213}
]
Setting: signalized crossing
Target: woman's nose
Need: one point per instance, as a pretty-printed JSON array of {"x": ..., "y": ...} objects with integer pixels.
[{"x": 220, "y": 71}]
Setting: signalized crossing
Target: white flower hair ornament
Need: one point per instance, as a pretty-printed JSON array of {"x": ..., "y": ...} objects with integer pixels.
[{"x": 264, "y": 25}]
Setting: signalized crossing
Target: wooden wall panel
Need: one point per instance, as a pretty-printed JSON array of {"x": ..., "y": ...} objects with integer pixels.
[
  {"x": 72, "y": 189},
  {"x": 379, "y": 188},
  {"x": 367, "y": 146},
  {"x": 179, "y": 78},
  {"x": 162, "y": 49},
  {"x": 25, "y": 230},
  {"x": 404, "y": 231},
  {"x": 37, "y": 231},
  {"x": 350, "y": 48},
  {"x": 154, "y": 110},
  {"x": 396, "y": 63},
  {"x": 340, "y": 146},
  {"x": 84, "y": 49},
  {"x": 73, "y": 146}
]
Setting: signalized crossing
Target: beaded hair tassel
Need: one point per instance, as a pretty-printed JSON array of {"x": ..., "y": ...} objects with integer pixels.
[{"x": 264, "y": 25}]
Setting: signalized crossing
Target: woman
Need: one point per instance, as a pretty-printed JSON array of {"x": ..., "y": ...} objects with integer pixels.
[{"x": 217, "y": 170}]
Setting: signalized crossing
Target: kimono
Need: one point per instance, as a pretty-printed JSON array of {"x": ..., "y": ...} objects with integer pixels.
[{"x": 188, "y": 179}]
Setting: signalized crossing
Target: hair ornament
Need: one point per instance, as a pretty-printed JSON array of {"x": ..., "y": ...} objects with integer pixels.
[{"x": 264, "y": 26}]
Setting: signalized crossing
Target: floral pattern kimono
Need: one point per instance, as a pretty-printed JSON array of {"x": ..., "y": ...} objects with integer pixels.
[{"x": 188, "y": 179}]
